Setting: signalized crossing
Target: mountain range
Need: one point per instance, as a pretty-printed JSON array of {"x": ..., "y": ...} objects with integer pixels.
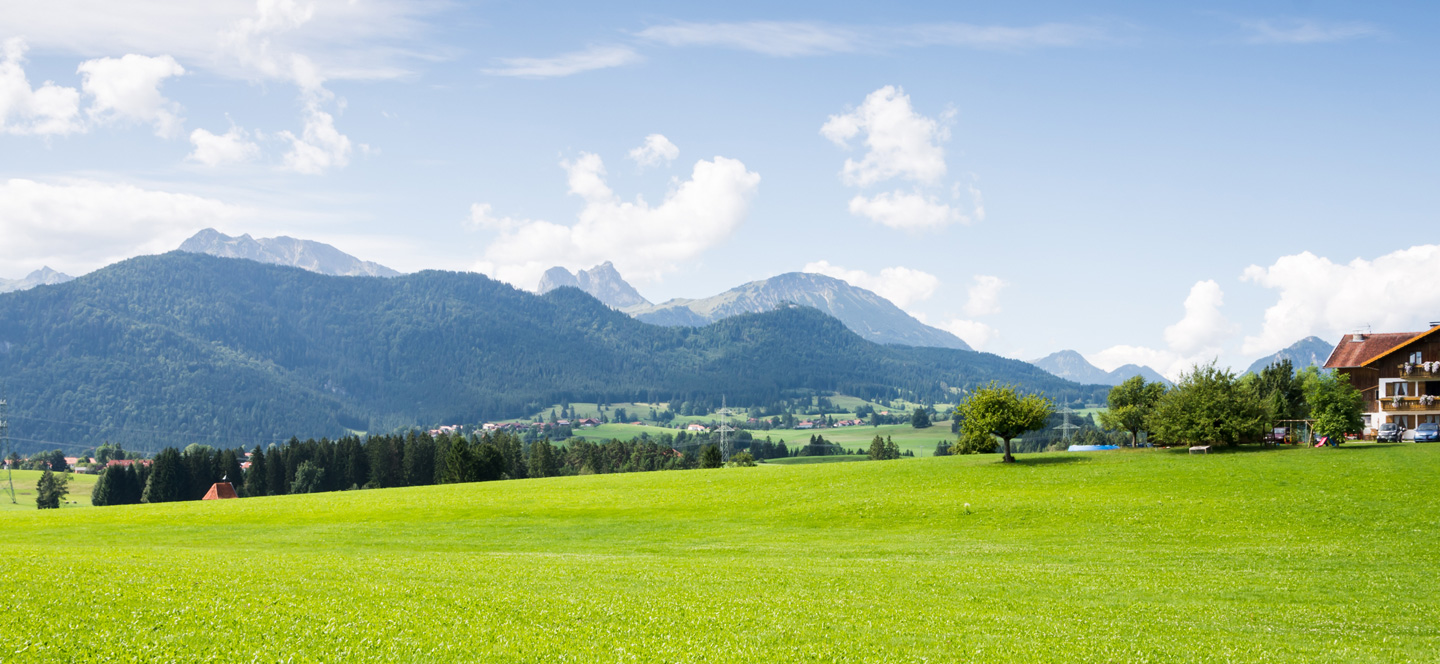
[
  {"x": 864, "y": 312},
  {"x": 602, "y": 281},
  {"x": 305, "y": 254},
  {"x": 185, "y": 347},
  {"x": 1310, "y": 351},
  {"x": 41, "y": 277},
  {"x": 1071, "y": 365}
]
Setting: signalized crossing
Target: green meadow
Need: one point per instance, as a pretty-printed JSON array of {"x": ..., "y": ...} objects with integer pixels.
[
  {"x": 25, "y": 480},
  {"x": 1129, "y": 556}
]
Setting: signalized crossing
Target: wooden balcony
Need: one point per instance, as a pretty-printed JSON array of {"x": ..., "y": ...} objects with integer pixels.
[
  {"x": 1418, "y": 371},
  {"x": 1407, "y": 404}
]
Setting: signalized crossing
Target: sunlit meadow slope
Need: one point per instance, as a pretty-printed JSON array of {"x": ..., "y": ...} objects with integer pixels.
[{"x": 1283, "y": 555}]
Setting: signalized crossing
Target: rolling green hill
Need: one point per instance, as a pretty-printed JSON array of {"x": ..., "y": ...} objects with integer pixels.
[
  {"x": 1262, "y": 555},
  {"x": 181, "y": 348}
]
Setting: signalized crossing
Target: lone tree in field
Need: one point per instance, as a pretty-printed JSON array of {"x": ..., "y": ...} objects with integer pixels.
[
  {"x": 1131, "y": 404},
  {"x": 1338, "y": 408},
  {"x": 1000, "y": 410},
  {"x": 920, "y": 419},
  {"x": 50, "y": 490}
]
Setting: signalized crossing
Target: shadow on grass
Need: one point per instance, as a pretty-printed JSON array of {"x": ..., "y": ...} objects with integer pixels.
[{"x": 1044, "y": 460}]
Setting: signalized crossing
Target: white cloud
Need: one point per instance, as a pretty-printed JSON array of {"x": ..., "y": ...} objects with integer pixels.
[
  {"x": 566, "y": 64},
  {"x": 656, "y": 149},
  {"x": 901, "y": 285},
  {"x": 984, "y": 296},
  {"x": 643, "y": 241},
  {"x": 1005, "y": 37},
  {"x": 906, "y": 211},
  {"x": 777, "y": 38},
  {"x": 1199, "y": 336},
  {"x": 1301, "y": 31},
  {"x": 1396, "y": 292},
  {"x": 81, "y": 225},
  {"x": 900, "y": 142},
  {"x": 231, "y": 147},
  {"x": 799, "y": 38},
  {"x": 975, "y": 333},
  {"x": 128, "y": 89},
  {"x": 1203, "y": 328},
  {"x": 49, "y": 110},
  {"x": 320, "y": 148}
]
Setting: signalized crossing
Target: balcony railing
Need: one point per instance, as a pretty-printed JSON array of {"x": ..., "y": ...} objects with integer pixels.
[
  {"x": 1419, "y": 371},
  {"x": 1395, "y": 404}
]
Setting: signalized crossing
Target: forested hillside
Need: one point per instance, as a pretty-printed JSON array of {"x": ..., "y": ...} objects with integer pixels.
[{"x": 166, "y": 350}]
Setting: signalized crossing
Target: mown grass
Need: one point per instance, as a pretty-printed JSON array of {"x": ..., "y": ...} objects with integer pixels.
[
  {"x": 1128, "y": 556},
  {"x": 834, "y": 458},
  {"x": 80, "y": 485}
]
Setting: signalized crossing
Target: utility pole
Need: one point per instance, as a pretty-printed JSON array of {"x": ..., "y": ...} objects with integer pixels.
[
  {"x": 5, "y": 443},
  {"x": 724, "y": 414},
  {"x": 1067, "y": 427}
]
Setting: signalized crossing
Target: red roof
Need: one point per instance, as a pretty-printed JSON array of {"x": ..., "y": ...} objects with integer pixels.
[
  {"x": 220, "y": 491},
  {"x": 1349, "y": 353}
]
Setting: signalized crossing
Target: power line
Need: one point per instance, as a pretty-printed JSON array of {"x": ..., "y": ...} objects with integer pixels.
[{"x": 150, "y": 432}]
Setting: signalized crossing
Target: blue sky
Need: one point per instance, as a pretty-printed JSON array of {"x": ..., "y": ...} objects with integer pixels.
[{"x": 1161, "y": 183}]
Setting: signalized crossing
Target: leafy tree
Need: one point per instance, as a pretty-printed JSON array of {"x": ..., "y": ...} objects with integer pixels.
[
  {"x": 1131, "y": 404},
  {"x": 1208, "y": 405},
  {"x": 1337, "y": 407},
  {"x": 920, "y": 419},
  {"x": 1001, "y": 410},
  {"x": 942, "y": 448},
  {"x": 308, "y": 478},
  {"x": 710, "y": 457},
  {"x": 1280, "y": 391},
  {"x": 50, "y": 490},
  {"x": 975, "y": 442},
  {"x": 877, "y": 449},
  {"x": 742, "y": 460}
]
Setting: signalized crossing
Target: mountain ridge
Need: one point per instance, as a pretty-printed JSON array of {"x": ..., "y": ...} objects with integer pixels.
[
  {"x": 864, "y": 312},
  {"x": 1310, "y": 351},
  {"x": 1071, "y": 365},
  {"x": 189, "y": 346},
  {"x": 41, "y": 277},
  {"x": 283, "y": 250}
]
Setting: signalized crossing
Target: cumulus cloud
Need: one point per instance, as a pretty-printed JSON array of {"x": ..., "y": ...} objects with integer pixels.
[
  {"x": 977, "y": 334},
  {"x": 903, "y": 144},
  {"x": 48, "y": 110},
  {"x": 899, "y": 141},
  {"x": 906, "y": 210},
  {"x": 566, "y": 64},
  {"x": 319, "y": 148},
  {"x": 1302, "y": 31},
  {"x": 901, "y": 285},
  {"x": 128, "y": 89},
  {"x": 654, "y": 150},
  {"x": 231, "y": 147},
  {"x": 1394, "y": 292},
  {"x": 1199, "y": 336},
  {"x": 643, "y": 241},
  {"x": 984, "y": 295},
  {"x": 80, "y": 225}
]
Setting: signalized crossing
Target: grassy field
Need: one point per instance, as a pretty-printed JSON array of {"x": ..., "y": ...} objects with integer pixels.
[
  {"x": 79, "y": 496},
  {"x": 1275, "y": 555},
  {"x": 920, "y": 441},
  {"x": 834, "y": 458}
]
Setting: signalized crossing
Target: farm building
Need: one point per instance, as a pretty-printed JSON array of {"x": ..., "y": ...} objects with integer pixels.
[{"x": 1397, "y": 372}]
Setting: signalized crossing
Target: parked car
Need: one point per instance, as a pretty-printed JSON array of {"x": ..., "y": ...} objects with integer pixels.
[
  {"x": 1389, "y": 433},
  {"x": 1429, "y": 432}
]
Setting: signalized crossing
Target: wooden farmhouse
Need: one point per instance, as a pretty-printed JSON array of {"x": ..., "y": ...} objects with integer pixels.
[{"x": 1398, "y": 373}]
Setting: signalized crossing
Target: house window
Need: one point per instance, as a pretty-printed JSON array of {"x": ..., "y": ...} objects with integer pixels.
[
  {"x": 1415, "y": 358},
  {"x": 1400, "y": 389}
]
